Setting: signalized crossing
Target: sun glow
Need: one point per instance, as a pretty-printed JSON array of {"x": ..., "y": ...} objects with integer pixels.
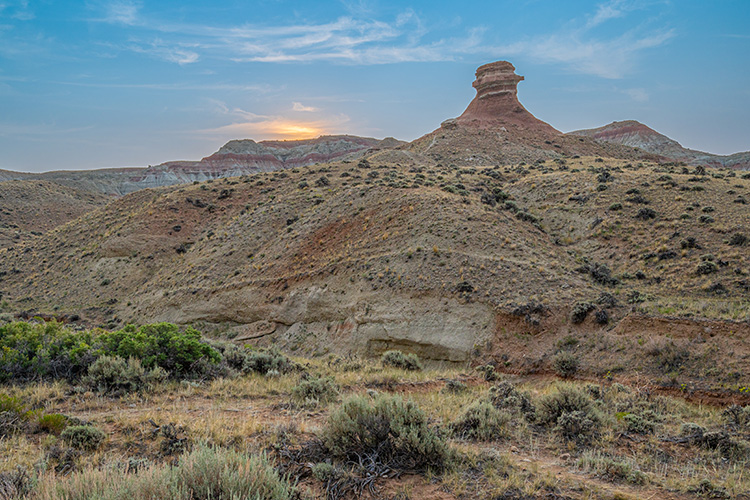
[{"x": 279, "y": 128}]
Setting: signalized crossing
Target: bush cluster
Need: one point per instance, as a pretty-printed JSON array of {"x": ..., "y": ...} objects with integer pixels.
[
  {"x": 571, "y": 412},
  {"x": 397, "y": 359},
  {"x": 111, "y": 374},
  {"x": 314, "y": 391},
  {"x": 481, "y": 421},
  {"x": 125, "y": 359},
  {"x": 215, "y": 473},
  {"x": 84, "y": 437},
  {"x": 506, "y": 396},
  {"x": 385, "y": 430}
]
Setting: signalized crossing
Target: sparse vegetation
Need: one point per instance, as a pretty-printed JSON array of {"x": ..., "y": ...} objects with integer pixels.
[{"x": 397, "y": 359}]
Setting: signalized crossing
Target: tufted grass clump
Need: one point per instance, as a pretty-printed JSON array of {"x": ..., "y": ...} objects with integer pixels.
[
  {"x": 386, "y": 430},
  {"x": 397, "y": 359},
  {"x": 206, "y": 472}
]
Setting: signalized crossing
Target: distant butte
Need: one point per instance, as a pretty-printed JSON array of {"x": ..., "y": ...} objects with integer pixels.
[{"x": 496, "y": 103}]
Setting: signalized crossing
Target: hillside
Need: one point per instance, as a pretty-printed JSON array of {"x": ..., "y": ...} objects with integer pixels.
[
  {"x": 238, "y": 157},
  {"x": 30, "y": 208},
  {"x": 637, "y": 135},
  {"x": 361, "y": 257}
]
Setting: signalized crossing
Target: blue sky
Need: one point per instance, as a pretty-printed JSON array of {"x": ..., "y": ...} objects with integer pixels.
[{"x": 108, "y": 83}]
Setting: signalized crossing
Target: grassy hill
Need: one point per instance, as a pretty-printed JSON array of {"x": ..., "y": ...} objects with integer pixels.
[{"x": 446, "y": 262}]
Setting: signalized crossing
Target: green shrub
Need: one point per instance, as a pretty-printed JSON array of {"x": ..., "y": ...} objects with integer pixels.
[
  {"x": 580, "y": 311},
  {"x": 13, "y": 415},
  {"x": 54, "y": 423},
  {"x": 455, "y": 387},
  {"x": 44, "y": 350},
  {"x": 738, "y": 240},
  {"x": 263, "y": 362},
  {"x": 615, "y": 207},
  {"x": 85, "y": 437},
  {"x": 162, "y": 345},
  {"x": 204, "y": 473},
  {"x": 385, "y": 430},
  {"x": 314, "y": 391},
  {"x": 488, "y": 372},
  {"x": 481, "y": 421},
  {"x": 569, "y": 411},
  {"x": 577, "y": 425},
  {"x": 116, "y": 375},
  {"x": 397, "y": 359},
  {"x": 706, "y": 267},
  {"x": 566, "y": 364},
  {"x": 640, "y": 423},
  {"x": 505, "y": 396}
]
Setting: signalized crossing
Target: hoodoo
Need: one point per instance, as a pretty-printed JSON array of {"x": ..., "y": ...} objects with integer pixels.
[{"x": 496, "y": 103}]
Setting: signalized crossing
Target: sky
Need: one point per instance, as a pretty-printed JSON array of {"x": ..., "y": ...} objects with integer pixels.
[{"x": 112, "y": 83}]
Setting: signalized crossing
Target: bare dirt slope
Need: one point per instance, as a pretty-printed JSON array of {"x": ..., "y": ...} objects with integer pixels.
[{"x": 30, "y": 208}]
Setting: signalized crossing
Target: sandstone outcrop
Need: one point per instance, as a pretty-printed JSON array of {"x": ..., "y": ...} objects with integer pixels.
[{"x": 496, "y": 103}]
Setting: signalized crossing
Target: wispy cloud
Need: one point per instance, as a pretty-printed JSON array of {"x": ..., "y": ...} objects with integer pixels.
[
  {"x": 18, "y": 10},
  {"x": 347, "y": 40},
  {"x": 176, "y": 53},
  {"x": 363, "y": 39},
  {"x": 580, "y": 49},
  {"x": 121, "y": 12},
  {"x": 298, "y": 106},
  {"x": 637, "y": 94}
]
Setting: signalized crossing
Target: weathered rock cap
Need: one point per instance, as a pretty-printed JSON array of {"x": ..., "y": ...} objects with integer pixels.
[
  {"x": 496, "y": 78},
  {"x": 496, "y": 106}
]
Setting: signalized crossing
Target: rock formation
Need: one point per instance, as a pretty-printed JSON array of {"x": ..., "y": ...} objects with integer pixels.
[{"x": 496, "y": 103}]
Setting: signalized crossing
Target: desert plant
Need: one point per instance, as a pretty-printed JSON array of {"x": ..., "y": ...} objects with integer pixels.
[
  {"x": 162, "y": 345},
  {"x": 738, "y": 240},
  {"x": 53, "y": 423},
  {"x": 385, "y": 430},
  {"x": 204, "y": 473},
  {"x": 640, "y": 423},
  {"x": 314, "y": 391},
  {"x": 570, "y": 411},
  {"x": 454, "y": 387},
  {"x": 263, "y": 362},
  {"x": 566, "y": 364},
  {"x": 84, "y": 437},
  {"x": 488, "y": 372},
  {"x": 580, "y": 311},
  {"x": 116, "y": 375},
  {"x": 506, "y": 396},
  {"x": 645, "y": 214},
  {"x": 481, "y": 421},
  {"x": 397, "y": 359},
  {"x": 706, "y": 267}
]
